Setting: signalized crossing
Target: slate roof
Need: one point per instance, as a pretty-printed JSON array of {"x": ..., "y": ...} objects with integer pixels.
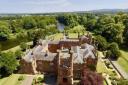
[
  {"x": 81, "y": 54},
  {"x": 37, "y": 54},
  {"x": 46, "y": 56}
]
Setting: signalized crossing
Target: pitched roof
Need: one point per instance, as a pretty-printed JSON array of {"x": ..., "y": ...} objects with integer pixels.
[{"x": 82, "y": 53}]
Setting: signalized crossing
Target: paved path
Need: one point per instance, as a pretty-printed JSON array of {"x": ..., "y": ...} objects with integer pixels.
[
  {"x": 28, "y": 80},
  {"x": 120, "y": 69}
]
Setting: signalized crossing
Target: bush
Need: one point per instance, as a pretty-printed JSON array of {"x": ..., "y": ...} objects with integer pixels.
[
  {"x": 18, "y": 54},
  {"x": 21, "y": 78},
  {"x": 23, "y": 46},
  {"x": 8, "y": 64},
  {"x": 113, "y": 51},
  {"x": 102, "y": 43},
  {"x": 40, "y": 80}
]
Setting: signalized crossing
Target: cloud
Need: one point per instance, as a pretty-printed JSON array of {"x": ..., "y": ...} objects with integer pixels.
[{"x": 48, "y": 2}]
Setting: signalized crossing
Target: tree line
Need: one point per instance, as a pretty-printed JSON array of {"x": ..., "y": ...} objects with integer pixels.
[{"x": 26, "y": 28}]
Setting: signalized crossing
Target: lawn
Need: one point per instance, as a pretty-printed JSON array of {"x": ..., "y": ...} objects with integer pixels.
[
  {"x": 77, "y": 29},
  {"x": 9, "y": 43},
  {"x": 13, "y": 49},
  {"x": 73, "y": 35},
  {"x": 123, "y": 60},
  {"x": 11, "y": 80},
  {"x": 59, "y": 36}
]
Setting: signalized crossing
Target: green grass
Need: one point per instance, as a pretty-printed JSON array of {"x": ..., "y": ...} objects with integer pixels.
[
  {"x": 73, "y": 35},
  {"x": 9, "y": 43},
  {"x": 57, "y": 36},
  {"x": 124, "y": 54},
  {"x": 76, "y": 29},
  {"x": 11, "y": 80},
  {"x": 13, "y": 41},
  {"x": 3, "y": 80},
  {"x": 13, "y": 49},
  {"x": 123, "y": 60}
]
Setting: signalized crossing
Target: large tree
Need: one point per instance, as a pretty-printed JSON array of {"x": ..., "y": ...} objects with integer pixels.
[
  {"x": 102, "y": 43},
  {"x": 8, "y": 63},
  {"x": 29, "y": 22},
  {"x": 4, "y": 31},
  {"x": 112, "y": 31},
  {"x": 113, "y": 51}
]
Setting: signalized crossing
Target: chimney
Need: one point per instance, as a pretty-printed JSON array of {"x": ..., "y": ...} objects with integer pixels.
[
  {"x": 71, "y": 65},
  {"x": 71, "y": 58},
  {"x": 78, "y": 51},
  {"x": 58, "y": 57}
]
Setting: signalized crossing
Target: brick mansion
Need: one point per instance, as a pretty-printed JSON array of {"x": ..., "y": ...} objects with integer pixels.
[{"x": 69, "y": 59}]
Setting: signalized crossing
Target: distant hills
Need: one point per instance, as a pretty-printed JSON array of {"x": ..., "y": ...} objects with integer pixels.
[
  {"x": 108, "y": 10},
  {"x": 54, "y": 13}
]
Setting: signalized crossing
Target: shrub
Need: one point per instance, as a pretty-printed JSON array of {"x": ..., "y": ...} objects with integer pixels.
[
  {"x": 40, "y": 80},
  {"x": 21, "y": 78},
  {"x": 18, "y": 54},
  {"x": 23, "y": 46}
]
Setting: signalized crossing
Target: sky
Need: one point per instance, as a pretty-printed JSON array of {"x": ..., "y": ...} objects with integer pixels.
[{"x": 46, "y": 6}]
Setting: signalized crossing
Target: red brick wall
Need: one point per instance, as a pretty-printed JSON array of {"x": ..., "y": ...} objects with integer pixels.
[
  {"x": 66, "y": 44},
  {"x": 26, "y": 67},
  {"x": 45, "y": 66},
  {"x": 53, "y": 47}
]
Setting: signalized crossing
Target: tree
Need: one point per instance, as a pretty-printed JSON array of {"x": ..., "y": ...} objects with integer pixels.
[
  {"x": 0, "y": 48},
  {"x": 91, "y": 24},
  {"x": 28, "y": 23},
  {"x": 126, "y": 30},
  {"x": 35, "y": 35},
  {"x": 70, "y": 20},
  {"x": 22, "y": 36},
  {"x": 102, "y": 24},
  {"x": 83, "y": 20},
  {"x": 4, "y": 31},
  {"x": 113, "y": 51},
  {"x": 8, "y": 63},
  {"x": 23, "y": 46},
  {"x": 16, "y": 25},
  {"x": 112, "y": 31},
  {"x": 102, "y": 43},
  {"x": 117, "y": 33},
  {"x": 18, "y": 54},
  {"x": 42, "y": 24}
]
